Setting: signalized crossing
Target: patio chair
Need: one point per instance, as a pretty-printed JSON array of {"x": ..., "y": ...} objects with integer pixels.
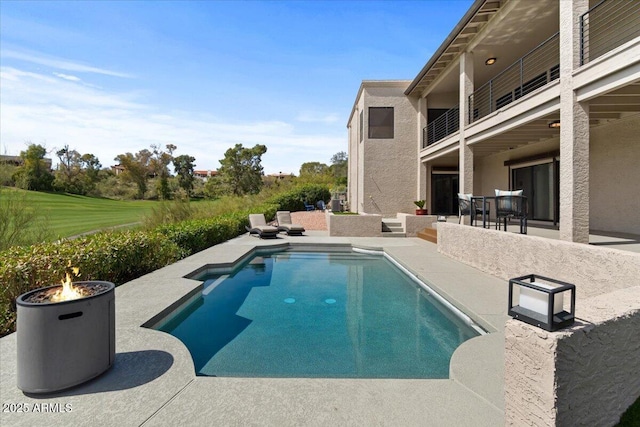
[
  {"x": 284, "y": 224},
  {"x": 512, "y": 207},
  {"x": 468, "y": 206},
  {"x": 309, "y": 206},
  {"x": 320, "y": 205},
  {"x": 258, "y": 225}
]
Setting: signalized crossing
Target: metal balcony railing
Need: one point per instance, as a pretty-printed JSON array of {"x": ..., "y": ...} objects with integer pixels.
[
  {"x": 606, "y": 26},
  {"x": 443, "y": 126},
  {"x": 532, "y": 71}
]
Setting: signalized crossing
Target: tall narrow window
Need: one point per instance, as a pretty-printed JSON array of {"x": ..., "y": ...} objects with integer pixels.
[{"x": 380, "y": 122}]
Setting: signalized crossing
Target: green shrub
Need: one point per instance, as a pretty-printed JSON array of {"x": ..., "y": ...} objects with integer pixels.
[
  {"x": 168, "y": 211},
  {"x": 195, "y": 235},
  {"x": 295, "y": 199},
  {"x": 20, "y": 223},
  {"x": 114, "y": 257}
]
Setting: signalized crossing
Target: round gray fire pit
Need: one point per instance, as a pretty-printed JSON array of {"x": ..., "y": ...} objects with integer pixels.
[{"x": 63, "y": 344}]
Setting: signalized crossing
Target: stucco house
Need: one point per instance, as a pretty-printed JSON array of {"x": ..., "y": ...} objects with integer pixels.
[{"x": 542, "y": 96}]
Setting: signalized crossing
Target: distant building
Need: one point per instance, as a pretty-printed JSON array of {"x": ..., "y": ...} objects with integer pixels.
[
  {"x": 204, "y": 175},
  {"x": 117, "y": 169},
  {"x": 281, "y": 175}
]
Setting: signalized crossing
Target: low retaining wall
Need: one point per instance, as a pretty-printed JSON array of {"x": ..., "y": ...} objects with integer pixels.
[
  {"x": 412, "y": 224},
  {"x": 354, "y": 225},
  {"x": 594, "y": 270},
  {"x": 588, "y": 374}
]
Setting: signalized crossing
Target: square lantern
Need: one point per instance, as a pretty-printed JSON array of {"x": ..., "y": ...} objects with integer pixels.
[{"x": 541, "y": 302}]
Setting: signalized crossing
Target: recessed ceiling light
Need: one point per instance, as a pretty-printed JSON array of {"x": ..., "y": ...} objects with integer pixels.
[
  {"x": 554, "y": 124},
  {"x": 490, "y": 61}
]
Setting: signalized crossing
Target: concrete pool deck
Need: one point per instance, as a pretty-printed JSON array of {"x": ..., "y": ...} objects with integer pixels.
[{"x": 153, "y": 382}]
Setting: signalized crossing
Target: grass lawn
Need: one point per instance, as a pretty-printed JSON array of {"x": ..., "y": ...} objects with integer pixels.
[{"x": 70, "y": 214}]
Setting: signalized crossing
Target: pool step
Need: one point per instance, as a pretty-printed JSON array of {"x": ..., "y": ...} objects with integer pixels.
[
  {"x": 392, "y": 227},
  {"x": 429, "y": 234}
]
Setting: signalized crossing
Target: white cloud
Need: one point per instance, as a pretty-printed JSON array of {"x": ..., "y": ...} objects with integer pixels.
[
  {"x": 60, "y": 64},
  {"x": 67, "y": 77},
  {"x": 40, "y": 108}
]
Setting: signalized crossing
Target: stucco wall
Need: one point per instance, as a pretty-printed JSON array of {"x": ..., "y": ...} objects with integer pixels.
[
  {"x": 412, "y": 224},
  {"x": 389, "y": 168},
  {"x": 587, "y": 375},
  {"x": 354, "y": 225},
  {"x": 529, "y": 394},
  {"x": 355, "y": 165},
  {"x": 614, "y": 176},
  {"x": 594, "y": 270}
]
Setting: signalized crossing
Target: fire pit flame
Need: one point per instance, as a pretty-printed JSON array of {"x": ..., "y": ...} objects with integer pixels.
[{"x": 68, "y": 291}]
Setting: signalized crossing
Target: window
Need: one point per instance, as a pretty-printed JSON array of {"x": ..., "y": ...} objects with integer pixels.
[
  {"x": 361, "y": 126},
  {"x": 380, "y": 122}
]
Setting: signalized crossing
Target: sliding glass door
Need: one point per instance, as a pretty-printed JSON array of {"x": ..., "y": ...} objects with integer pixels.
[
  {"x": 539, "y": 183},
  {"x": 444, "y": 194}
]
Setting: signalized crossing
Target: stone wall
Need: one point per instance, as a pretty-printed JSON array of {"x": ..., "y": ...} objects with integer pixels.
[{"x": 585, "y": 375}]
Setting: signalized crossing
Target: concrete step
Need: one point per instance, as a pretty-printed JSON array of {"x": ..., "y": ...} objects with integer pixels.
[
  {"x": 429, "y": 234},
  {"x": 392, "y": 225}
]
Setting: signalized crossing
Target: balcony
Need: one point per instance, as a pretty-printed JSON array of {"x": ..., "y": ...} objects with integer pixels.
[
  {"x": 607, "y": 25},
  {"x": 533, "y": 71},
  {"x": 446, "y": 124}
]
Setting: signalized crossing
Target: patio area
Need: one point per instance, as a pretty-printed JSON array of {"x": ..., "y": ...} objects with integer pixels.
[{"x": 153, "y": 382}]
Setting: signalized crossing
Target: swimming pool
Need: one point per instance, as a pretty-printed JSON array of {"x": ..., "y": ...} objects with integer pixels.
[{"x": 317, "y": 314}]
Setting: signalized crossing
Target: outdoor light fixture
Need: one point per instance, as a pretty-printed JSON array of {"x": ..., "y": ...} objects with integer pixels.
[
  {"x": 555, "y": 124},
  {"x": 540, "y": 302},
  {"x": 490, "y": 61}
]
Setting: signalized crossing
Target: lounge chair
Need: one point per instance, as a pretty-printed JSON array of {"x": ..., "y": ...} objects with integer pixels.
[
  {"x": 309, "y": 206},
  {"x": 284, "y": 224},
  {"x": 258, "y": 225}
]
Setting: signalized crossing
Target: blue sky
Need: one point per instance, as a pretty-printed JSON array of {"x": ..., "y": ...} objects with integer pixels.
[{"x": 113, "y": 77}]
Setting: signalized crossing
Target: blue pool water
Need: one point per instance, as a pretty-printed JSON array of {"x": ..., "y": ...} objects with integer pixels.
[{"x": 310, "y": 314}]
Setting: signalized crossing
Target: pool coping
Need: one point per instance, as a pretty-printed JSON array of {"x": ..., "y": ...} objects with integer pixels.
[{"x": 153, "y": 380}]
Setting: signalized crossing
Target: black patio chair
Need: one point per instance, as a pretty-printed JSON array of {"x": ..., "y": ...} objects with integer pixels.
[
  {"x": 470, "y": 207},
  {"x": 512, "y": 207}
]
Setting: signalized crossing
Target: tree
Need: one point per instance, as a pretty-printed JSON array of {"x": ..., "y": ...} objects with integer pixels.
[
  {"x": 136, "y": 169},
  {"x": 91, "y": 166},
  {"x": 339, "y": 167},
  {"x": 241, "y": 171},
  {"x": 183, "y": 166},
  {"x": 159, "y": 166},
  {"x": 313, "y": 169},
  {"x": 34, "y": 174},
  {"x": 76, "y": 173},
  {"x": 68, "y": 169}
]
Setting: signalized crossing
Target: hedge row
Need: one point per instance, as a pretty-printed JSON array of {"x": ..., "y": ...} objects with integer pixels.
[
  {"x": 295, "y": 199},
  {"x": 195, "y": 235},
  {"x": 114, "y": 257}
]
